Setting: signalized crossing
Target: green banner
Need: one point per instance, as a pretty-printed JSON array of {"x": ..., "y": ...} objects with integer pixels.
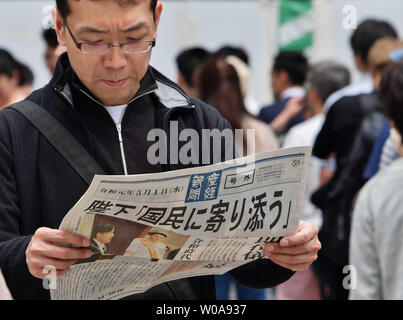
[{"x": 295, "y": 25}]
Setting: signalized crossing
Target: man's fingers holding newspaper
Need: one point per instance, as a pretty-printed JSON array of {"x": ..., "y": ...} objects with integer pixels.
[
  {"x": 297, "y": 251},
  {"x": 43, "y": 251}
]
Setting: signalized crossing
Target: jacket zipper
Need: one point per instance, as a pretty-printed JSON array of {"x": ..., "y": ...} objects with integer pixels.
[
  {"x": 122, "y": 150},
  {"x": 119, "y": 126},
  {"x": 119, "y": 129}
]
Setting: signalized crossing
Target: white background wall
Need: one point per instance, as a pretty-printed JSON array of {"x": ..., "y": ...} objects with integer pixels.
[{"x": 248, "y": 23}]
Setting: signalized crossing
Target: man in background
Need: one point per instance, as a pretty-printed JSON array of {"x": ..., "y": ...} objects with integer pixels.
[
  {"x": 349, "y": 133},
  {"x": 323, "y": 79},
  {"x": 362, "y": 39},
  {"x": 50, "y": 55},
  {"x": 26, "y": 80},
  {"x": 15, "y": 79},
  {"x": 239, "y": 59},
  {"x": 109, "y": 46},
  {"x": 188, "y": 62},
  {"x": 287, "y": 77}
]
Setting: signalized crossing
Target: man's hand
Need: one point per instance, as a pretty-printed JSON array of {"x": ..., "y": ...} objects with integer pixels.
[
  {"x": 291, "y": 109},
  {"x": 297, "y": 251},
  {"x": 42, "y": 251}
]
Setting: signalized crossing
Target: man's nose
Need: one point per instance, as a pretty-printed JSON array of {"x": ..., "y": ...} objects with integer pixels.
[{"x": 115, "y": 58}]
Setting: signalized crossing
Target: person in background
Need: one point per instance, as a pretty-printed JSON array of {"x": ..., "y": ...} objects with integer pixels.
[
  {"x": 349, "y": 132},
  {"x": 375, "y": 249},
  {"x": 375, "y": 124},
  {"x": 51, "y": 54},
  {"x": 9, "y": 79},
  {"x": 228, "y": 50},
  {"x": 287, "y": 77},
  {"x": 53, "y": 48},
  {"x": 323, "y": 79},
  {"x": 106, "y": 67},
  {"x": 361, "y": 41},
  {"x": 241, "y": 62},
  {"x": 385, "y": 150},
  {"x": 188, "y": 62},
  {"x": 26, "y": 81},
  {"x": 219, "y": 86}
]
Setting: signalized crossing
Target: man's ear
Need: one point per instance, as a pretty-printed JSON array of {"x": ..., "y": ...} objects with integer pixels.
[
  {"x": 359, "y": 62},
  {"x": 181, "y": 79},
  {"x": 284, "y": 77},
  {"x": 157, "y": 13},
  {"x": 60, "y": 28}
]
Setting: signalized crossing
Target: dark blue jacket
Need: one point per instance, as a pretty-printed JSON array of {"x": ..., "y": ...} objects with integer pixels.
[
  {"x": 38, "y": 187},
  {"x": 269, "y": 113}
]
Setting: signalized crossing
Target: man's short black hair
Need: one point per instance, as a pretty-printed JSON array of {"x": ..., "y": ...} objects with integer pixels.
[
  {"x": 7, "y": 63},
  {"x": 189, "y": 60},
  {"x": 294, "y": 63},
  {"x": 367, "y": 33},
  {"x": 26, "y": 77},
  {"x": 233, "y": 51},
  {"x": 50, "y": 37},
  {"x": 102, "y": 228},
  {"x": 65, "y": 10}
]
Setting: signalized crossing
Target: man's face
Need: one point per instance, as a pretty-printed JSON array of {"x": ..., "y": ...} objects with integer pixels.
[
  {"x": 276, "y": 84},
  {"x": 113, "y": 78},
  {"x": 50, "y": 59},
  {"x": 7, "y": 87},
  {"x": 156, "y": 237},
  {"x": 106, "y": 237}
]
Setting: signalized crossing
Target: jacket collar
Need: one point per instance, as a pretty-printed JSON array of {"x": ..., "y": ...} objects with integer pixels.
[{"x": 169, "y": 93}]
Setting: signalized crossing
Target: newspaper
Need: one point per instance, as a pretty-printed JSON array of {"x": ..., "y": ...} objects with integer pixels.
[{"x": 152, "y": 228}]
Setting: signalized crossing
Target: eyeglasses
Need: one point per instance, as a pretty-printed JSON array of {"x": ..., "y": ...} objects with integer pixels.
[{"x": 99, "y": 48}]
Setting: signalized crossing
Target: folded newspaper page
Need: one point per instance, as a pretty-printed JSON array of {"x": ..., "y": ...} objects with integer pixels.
[{"x": 152, "y": 228}]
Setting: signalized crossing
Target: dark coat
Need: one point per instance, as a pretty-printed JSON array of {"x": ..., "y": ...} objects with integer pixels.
[
  {"x": 38, "y": 187},
  {"x": 96, "y": 249},
  {"x": 270, "y": 112}
]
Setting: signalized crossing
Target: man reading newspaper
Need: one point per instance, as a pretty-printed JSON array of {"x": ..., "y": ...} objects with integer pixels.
[{"x": 108, "y": 97}]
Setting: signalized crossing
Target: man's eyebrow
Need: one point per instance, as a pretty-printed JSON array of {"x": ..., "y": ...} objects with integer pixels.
[
  {"x": 139, "y": 26},
  {"x": 90, "y": 30}
]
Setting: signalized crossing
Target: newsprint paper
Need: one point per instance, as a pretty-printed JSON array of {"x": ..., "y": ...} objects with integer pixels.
[{"x": 152, "y": 228}]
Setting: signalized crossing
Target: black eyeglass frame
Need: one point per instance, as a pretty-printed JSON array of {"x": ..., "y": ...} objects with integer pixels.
[{"x": 110, "y": 45}]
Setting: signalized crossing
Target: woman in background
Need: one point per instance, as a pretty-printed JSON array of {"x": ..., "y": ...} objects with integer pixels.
[{"x": 219, "y": 85}]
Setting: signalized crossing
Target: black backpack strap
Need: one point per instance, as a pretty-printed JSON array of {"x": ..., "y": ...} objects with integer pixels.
[{"x": 70, "y": 149}]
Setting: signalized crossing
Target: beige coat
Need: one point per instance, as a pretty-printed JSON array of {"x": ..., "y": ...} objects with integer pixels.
[{"x": 265, "y": 138}]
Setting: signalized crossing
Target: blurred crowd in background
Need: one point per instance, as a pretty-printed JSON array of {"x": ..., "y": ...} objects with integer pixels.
[{"x": 354, "y": 128}]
